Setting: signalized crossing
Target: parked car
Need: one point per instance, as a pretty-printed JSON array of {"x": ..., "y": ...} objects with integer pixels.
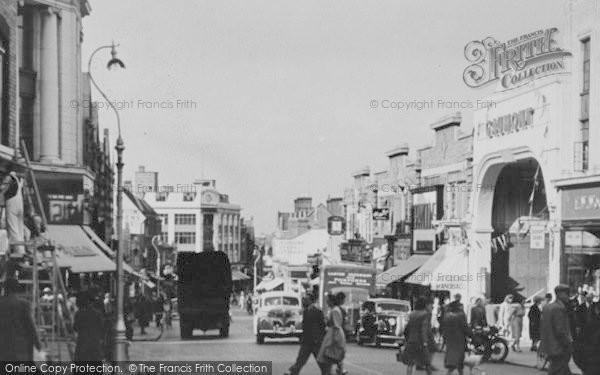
[
  {"x": 278, "y": 315},
  {"x": 390, "y": 317}
]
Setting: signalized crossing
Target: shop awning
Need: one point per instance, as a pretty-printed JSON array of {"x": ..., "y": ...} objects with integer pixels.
[
  {"x": 402, "y": 270},
  {"x": 270, "y": 284},
  {"x": 238, "y": 275},
  {"x": 98, "y": 241},
  {"x": 107, "y": 250},
  {"x": 447, "y": 269},
  {"x": 76, "y": 251}
]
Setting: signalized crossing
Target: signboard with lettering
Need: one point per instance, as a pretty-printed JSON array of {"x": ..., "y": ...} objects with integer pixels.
[
  {"x": 537, "y": 239},
  {"x": 507, "y": 124},
  {"x": 336, "y": 225},
  {"x": 402, "y": 248},
  {"x": 63, "y": 198},
  {"x": 381, "y": 214},
  {"x": 581, "y": 204}
]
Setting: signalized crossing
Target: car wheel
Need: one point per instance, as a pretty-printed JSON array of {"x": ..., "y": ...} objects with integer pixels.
[
  {"x": 186, "y": 329},
  {"x": 260, "y": 339},
  {"x": 224, "y": 331}
]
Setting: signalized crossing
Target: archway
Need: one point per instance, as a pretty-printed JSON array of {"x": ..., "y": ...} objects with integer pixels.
[{"x": 509, "y": 194}]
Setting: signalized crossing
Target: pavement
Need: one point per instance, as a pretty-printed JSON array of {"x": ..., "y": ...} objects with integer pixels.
[{"x": 360, "y": 360}]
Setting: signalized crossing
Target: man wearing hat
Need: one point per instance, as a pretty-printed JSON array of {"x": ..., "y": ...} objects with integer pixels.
[{"x": 557, "y": 341}]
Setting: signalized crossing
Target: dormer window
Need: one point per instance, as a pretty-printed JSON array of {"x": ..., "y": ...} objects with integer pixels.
[
  {"x": 189, "y": 196},
  {"x": 162, "y": 196}
]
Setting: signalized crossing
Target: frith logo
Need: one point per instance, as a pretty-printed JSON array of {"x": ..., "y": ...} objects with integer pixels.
[{"x": 515, "y": 62}]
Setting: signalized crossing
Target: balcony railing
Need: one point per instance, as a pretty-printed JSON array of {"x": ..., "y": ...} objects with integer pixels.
[{"x": 581, "y": 156}]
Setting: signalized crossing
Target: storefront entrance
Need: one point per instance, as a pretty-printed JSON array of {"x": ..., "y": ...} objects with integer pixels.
[{"x": 518, "y": 264}]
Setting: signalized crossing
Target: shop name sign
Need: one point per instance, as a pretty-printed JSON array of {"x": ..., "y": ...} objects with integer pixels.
[
  {"x": 515, "y": 62},
  {"x": 507, "y": 124},
  {"x": 581, "y": 204}
]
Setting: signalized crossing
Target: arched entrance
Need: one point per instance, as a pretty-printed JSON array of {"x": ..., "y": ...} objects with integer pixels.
[{"x": 511, "y": 205}]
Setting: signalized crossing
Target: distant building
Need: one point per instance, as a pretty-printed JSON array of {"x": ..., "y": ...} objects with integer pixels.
[
  {"x": 304, "y": 218},
  {"x": 199, "y": 218},
  {"x": 140, "y": 224}
]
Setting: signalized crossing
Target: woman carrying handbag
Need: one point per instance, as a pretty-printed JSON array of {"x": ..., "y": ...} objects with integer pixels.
[{"x": 333, "y": 348}]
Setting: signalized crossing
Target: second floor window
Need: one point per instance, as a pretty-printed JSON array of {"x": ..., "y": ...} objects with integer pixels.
[
  {"x": 185, "y": 219},
  {"x": 584, "y": 117},
  {"x": 185, "y": 238}
]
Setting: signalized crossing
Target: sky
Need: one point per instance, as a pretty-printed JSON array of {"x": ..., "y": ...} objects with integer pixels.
[{"x": 274, "y": 98}]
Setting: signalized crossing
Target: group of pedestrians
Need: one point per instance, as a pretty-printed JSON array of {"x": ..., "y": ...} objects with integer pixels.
[
  {"x": 322, "y": 337},
  {"x": 144, "y": 309}
]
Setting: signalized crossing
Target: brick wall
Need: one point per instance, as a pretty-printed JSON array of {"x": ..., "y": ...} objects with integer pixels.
[{"x": 8, "y": 28}]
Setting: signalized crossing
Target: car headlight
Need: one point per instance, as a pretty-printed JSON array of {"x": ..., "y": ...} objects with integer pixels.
[{"x": 392, "y": 321}]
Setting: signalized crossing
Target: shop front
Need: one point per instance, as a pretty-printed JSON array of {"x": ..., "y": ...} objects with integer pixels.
[{"x": 580, "y": 257}]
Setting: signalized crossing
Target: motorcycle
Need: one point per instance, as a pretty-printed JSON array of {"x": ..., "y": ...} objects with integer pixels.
[{"x": 488, "y": 343}]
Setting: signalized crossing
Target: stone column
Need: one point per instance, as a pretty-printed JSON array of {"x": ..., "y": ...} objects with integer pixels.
[{"x": 49, "y": 132}]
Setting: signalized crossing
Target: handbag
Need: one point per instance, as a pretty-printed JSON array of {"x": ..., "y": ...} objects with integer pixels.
[{"x": 334, "y": 353}]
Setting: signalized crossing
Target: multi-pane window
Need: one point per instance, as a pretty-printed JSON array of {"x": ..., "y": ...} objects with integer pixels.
[
  {"x": 185, "y": 238},
  {"x": 164, "y": 218},
  {"x": 585, "y": 105},
  {"x": 185, "y": 219},
  {"x": 164, "y": 237}
]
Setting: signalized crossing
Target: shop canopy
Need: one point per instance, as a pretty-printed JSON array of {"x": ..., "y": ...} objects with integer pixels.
[
  {"x": 107, "y": 250},
  {"x": 238, "y": 275},
  {"x": 268, "y": 285},
  {"x": 402, "y": 270},
  {"x": 447, "y": 269},
  {"x": 76, "y": 251}
]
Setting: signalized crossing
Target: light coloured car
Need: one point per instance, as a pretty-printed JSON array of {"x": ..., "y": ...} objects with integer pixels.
[{"x": 278, "y": 315}]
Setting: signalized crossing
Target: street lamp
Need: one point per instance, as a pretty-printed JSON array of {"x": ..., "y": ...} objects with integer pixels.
[
  {"x": 155, "y": 246},
  {"x": 120, "y": 341}
]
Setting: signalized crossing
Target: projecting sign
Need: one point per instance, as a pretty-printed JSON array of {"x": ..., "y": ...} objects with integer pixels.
[
  {"x": 537, "y": 238},
  {"x": 336, "y": 225},
  {"x": 381, "y": 214}
]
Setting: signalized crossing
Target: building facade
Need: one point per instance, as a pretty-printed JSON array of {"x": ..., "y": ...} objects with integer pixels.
[
  {"x": 199, "y": 219},
  {"x": 538, "y": 226},
  {"x": 69, "y": 155}
]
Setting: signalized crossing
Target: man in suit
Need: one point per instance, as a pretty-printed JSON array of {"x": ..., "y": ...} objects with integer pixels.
[
  {"x": 313, "y": 330},
  {"x": 17, "y": 329},
  {"x": 556, "y": 333}
]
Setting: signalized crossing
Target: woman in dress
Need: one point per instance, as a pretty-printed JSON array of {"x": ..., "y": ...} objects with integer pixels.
[
  {"x": 504, "y": 314},
  {"x": 333, "y": 348},
  {"x": 516, "y": 325},
  {"x": 535, "y": 318},
  {"x": 456, "y": 331},
  {"x": 419, "y": 337}
]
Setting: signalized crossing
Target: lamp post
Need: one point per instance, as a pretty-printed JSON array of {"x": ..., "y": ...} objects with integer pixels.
[
  {"x": 155, "y": 246},
  {"x": 120, "y": 341}
]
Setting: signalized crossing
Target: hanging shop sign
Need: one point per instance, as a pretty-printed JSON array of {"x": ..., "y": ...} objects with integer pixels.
[
  {"x": 336, "y": 225},
  {"x": 581, "y": 204},
  {"x": 515, "y": 62},
  {"x": 537, "y": 238},
  {"x": 381, "y": 214}
]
